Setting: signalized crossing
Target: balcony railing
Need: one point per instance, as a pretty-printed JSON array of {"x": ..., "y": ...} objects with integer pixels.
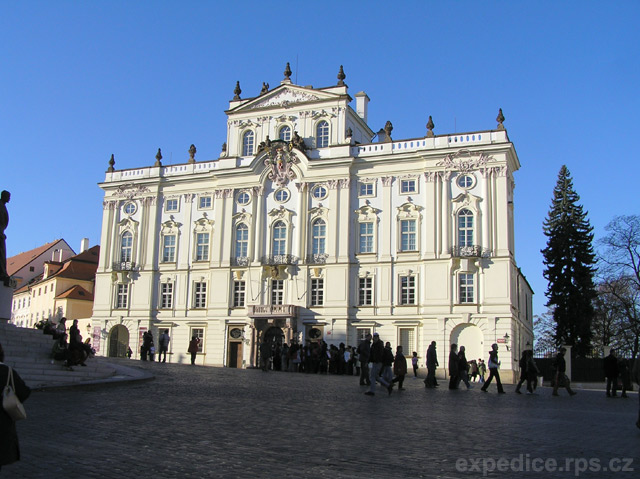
[
  {"x": 274, "y": 259},
  {"x": 240, "y": 261},
  {"x": 317, "y": 258},
  {"x": 473, "y": 251},
  {"x": 271, "y": 310},
  {"x": 123, "y": 266}
]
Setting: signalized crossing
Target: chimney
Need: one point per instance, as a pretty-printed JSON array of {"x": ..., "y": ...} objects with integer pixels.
[
  {"x": 84, "y": 245},
  {"x": 53, "y": 254},
  {"x": 362, "y": 105},
  {"x": 61, "y": 254}
]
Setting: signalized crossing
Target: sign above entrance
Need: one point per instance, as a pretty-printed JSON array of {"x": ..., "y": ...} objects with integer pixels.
[{"x": 271, "y": 310}]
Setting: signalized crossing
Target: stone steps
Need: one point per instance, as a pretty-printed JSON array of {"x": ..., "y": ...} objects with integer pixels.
[{"x": 29, "y": 352}]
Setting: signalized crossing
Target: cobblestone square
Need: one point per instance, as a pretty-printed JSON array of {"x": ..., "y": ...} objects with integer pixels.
[{"x": 193, "y": 421}]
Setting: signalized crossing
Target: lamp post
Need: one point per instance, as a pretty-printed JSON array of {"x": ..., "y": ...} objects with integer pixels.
[{"x": 506, "y": 340}]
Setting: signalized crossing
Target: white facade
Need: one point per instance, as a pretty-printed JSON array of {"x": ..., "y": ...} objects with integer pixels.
[{"x": 413, "y": 238}]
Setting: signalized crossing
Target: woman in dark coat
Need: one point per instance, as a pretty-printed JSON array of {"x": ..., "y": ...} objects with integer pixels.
[
  {"x": 453, "y": 367},
  {"x": 9, "y": 448}
]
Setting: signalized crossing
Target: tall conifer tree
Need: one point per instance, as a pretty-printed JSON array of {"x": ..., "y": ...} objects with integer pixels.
[{"x": 569, "y": 262}]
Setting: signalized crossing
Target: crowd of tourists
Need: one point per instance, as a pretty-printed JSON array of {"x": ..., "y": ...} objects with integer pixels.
[{"x": 73, "y": 352}]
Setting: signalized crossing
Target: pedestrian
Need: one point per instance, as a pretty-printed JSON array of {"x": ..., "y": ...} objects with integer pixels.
[
  {"x": 265, "y": 355},
  {"x": 611, "y": 373},
  {"x": 164, "y": 345},
  {"x": 463, "y": 368},
  {"x": 494, "y": 365},
  {"x": 152, "y": 347},
  {"x": 348, "y": 360},
  {"x": 364, "y": 350},
  {"x": 432, "y": 364},
  {"x": 9, "y": 446},
  {"x": 129, "y": 352},
  {"x": 194, "y": 346},
  {"x": 399, "y": 368},
  {"x": 414, "y": 363},
  {"x": 482, "y": 370},
  {"x": 376, "y": 354},
  {"x": 625, "y": 377},
  {"x": 532, "y": 373},
  {"x": 636, "y": 377},
  {"x": 473, "y": 369},
  {"x": 386, "y": 376},
  {"x": 522, "y": 364},
  {"x": 453, "y": 367},
  {"x": 560, "y": 375}
]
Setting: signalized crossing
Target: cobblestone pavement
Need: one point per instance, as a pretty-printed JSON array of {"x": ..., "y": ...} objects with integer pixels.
[{"x": 195, "y": 421}]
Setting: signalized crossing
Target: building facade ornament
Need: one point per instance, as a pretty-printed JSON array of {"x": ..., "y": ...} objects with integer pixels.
[
  {"x": 280, "y": 160},
  {"x": 387, "y": 180},
  {"x": 130, "y": 190},
  {"x": 465, "y": 161},
  {"x": 285, "y": 98}
]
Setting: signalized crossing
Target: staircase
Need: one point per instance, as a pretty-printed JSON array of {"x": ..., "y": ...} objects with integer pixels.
[{"x": 29, "y": 352}]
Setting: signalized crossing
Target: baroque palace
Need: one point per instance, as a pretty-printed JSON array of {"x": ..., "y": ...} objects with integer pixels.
[{"x": 310, "y": 226}]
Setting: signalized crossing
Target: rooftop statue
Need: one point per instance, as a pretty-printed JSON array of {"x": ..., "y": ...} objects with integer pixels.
[{"x": 5, "y": 197}]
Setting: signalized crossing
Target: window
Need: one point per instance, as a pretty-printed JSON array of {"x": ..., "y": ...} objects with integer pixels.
[
  {"x": 322, "y": 134},
  {"x": 202, "y": 246},
  {"x": 200, "y": 295},
  {"x": 279, "y": 238},
  {"x": 169, "y": 248},
  {"x": 408, "y": 186},
  {"x": 319, "y": 192},
  {"x": 366, "y": 237},
  {"x": 407, "y": 290},
  {"x": 126, "y": 247},
  {"x": 282, "y": 195},
  {"x": 130, "y": 208},
  {"x": 465, "y": 181},
  {"x": 318, "y": 236},
  {"x": 242, "y": 240},
  {"x": 361, "y": 334},
  {"x": 247, "y": 143},
  {"x": 407, "y": 339},
  {"x": 317, "y": 291},
  {"x": 408, "y": 235},
  {"x": 243, "y": 198},
  {"x": 239, "y": 293},
  {"x": 465, "y": 228},
  {"x": 277, "y": 291},
  {"x": 122, "y": 296},
  {"x": 204, "y": 202},
  {"x": 466, "y": 287},
  {"x": 171, "y": 205},
  {"x": 365, "y": 292},
  {"x": 166, "y": 296},
  {"x": 366, "y": 189},
  {"x": 285, "y": 133},
  {"x": 198, "y": 333}
]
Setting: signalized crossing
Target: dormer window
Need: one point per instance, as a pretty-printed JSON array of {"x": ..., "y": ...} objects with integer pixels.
[
  {"x": 322, "y": 134},
  {"x": 285, "y": 133},
  {"x": 247, "y": 143}
]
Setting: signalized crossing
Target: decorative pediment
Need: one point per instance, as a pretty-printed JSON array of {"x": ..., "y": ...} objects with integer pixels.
[
  {"x": 281, "y": 213},
  {"x": 203, "y": 224},
  {"x": 466, "y": 200},
  {"x": 284, "y": 98},
  {"x": 319, "y": 212},
  {"x": 465, "y": 161},
  {"x": 242, "y": 217},
  {"x": 367, "y": 213},
  {"x": 409, "y": 210},
  {"x": 128, "y": 224},
  {"x": 170, "y": 227},
  {"x": 130, "y": 190}
]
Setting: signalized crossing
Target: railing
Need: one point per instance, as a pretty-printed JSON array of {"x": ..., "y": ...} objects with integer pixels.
[
  {"x": 123, "y": 265},
  {"x": 320, "y": 258},
  {"x": 240, "y": 261},
  {"x": 274, "y": 259},
  {"x": 473, "y": 251},
  {"x": 271, "y": 310}
]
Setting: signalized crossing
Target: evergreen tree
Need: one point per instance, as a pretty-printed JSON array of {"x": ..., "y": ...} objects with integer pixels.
[{"x": 569, "y": 262}]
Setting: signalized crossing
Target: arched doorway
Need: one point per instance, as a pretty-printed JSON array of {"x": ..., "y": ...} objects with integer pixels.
[
  {"x": 471, "y": 337},
  {"x": 274, "y": 337},
  {"x": 118, "y": 342}
]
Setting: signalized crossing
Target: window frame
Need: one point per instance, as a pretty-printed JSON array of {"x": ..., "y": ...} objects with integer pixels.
[
  {"x": 365, "y": 291},
  {"x": 464, "y": 285},
  {"x": 172, "y": 205},
  {"x": 207, "y": 199},
  {"x": 128, "y": 257},
  {"x": 199, "y": 332},
  {"x": 318, "y": 239},
  {"x": 243, "y": 194},
  {"x": 322, "y": 137},
  {"x": 122, "y": 296},
  {"x": 316, "y": 292},
  {"x": 370, "y": 236},
  {"x": 201, "y": 252},
  {"x": 317, "y": 188},
  {"x": 166, "y": 248},
  {"x": 407, "y": 289},
  {"x": 282, "y": 191},
  {"x": 276, "y": 290},
  {"x": 241, "y": 245},
  {"x": 283, "y": 128},
  {"x": 281, "y": 228},
  {"x": 248, "y": 143},
  {"x": 199, "y": 295},
  {"x": 166, "y": 295},
  {"x": 465, "y": 233},
  {"x": 408, "y": 235},
  {"x": 366, "y": 185},
  {"x": 405, "y": 182},
  {"x": 239, "y": 293}
]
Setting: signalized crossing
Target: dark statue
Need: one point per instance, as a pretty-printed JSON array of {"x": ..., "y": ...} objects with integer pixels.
[
  {"x": 500, "y": 119},
  {"x": 192, "y": 154},
  {"x": 298, "y": 142},
  {"x": 430, "y": 127},
  {"x": 5, "y": 197},
  {"x": 265, "y": 88}
]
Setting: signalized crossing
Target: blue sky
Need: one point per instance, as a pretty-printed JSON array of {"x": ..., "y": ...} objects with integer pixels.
[{"x": 82, "y": 80}]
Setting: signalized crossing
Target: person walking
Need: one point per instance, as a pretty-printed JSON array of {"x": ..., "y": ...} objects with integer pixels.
[
  {"x": 523, "y": 371},
  {"x": 482, "y": 370},
  {"x": 9, "y": 446},
  {"x": 386, "y": 376},
  {"x": 473, "y": 371},
  {"x": 532, "y": 373},
  {"x": 376, "y": 356},
  {"x": 399, "y": 368},
  {"x": 636, "y": 377},
  {"x": 194, "y": 346},
  {"x": 453, "y": 367},
  {"x": 561, "y": 378},
  {"x": 494, "y": 365},
  {"x": 164, "y": 345},
  {"x": 463, "y": 368},
  {"x": 414, "y": 363},
  {"x": 432, "y": 364},
  {"x": 611, "y": 373},
  {"x": 364, "y": 351}
]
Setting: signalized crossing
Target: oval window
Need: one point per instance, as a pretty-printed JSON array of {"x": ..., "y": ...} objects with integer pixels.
[
  {"x": 319, "y": 192},
  {"x": 282, "y": 195},
  {"x": 130, "y": 208},
  {"x": 243, "y": 198}
]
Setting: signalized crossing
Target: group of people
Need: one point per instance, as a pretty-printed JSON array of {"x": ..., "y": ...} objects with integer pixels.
[
  {"x": 617, "y": 370},
  {"x": 73, "y": 353},
  {"x": 148, "y": 348}
]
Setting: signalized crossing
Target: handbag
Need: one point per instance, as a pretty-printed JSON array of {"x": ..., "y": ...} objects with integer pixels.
[{"x": 10, "y": 402}]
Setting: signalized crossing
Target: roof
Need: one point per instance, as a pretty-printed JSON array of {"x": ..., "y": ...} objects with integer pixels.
[
  {"x": 76, "y": 292},
  {"x": 82, "y": 266},
  {"x": 19, "y": 261}
]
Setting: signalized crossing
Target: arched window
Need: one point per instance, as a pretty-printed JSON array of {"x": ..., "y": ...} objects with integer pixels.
[
  {"x": 465, "y": 228},
  {"x": 285, "y": 133},
  {"x": 126, "y": 247},
  {"x": 279, "y": 238},
  {"x": 247, "y": 143},
  {"x": 322, "y": 134},
  {"x": 242, "y": 240},
  {"x": 318, "y": 236}
]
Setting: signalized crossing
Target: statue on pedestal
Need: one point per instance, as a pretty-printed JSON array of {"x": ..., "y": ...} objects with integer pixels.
[{"x": 5, "y": 197}]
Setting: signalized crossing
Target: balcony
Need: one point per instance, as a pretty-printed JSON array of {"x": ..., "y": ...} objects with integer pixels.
[
  {"x": 272, "y": 310},
  {"x": 276, "y": 259},
  {"x": 123, "y": 266},
  {"x": 473, "y": 251},
  {"x": 317, "y": 258},
  {"x": 240, "y": 261}
]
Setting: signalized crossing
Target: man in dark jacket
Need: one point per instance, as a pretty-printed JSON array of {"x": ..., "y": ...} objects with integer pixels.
[
  {"x": 9, "y": 447},
  {"x": 561, "y": 378},
  {"x": 364, "y": 350},
  {"x": 375, "y": 359},
  {"x": 611, "y": 373},
  {"x": 432, "y": 364}
]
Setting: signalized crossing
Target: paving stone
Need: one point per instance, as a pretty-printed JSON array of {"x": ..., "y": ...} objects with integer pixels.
[{"x": 193, "y": 421}]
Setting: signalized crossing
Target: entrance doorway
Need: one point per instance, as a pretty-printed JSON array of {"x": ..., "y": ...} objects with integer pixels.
[
  {"x": 118, "y": 342},
  {"x": 235, "y": 354},
  {"x": 471, "y": 337}
]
